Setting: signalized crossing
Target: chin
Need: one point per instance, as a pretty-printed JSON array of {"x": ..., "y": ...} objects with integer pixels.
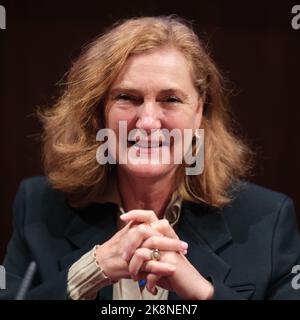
[{"x": 147, "y": 170}]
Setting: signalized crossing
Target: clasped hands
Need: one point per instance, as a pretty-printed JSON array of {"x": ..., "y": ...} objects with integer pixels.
[{"x": 128, "y": 254}]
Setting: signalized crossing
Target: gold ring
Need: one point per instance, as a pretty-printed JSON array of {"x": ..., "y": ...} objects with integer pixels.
[{"x": 155, "y": 254}]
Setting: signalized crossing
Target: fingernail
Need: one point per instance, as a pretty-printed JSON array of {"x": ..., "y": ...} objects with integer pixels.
[
  {"x": 154, "y": 291},
  {"x": 184, "y": 245},
  {"x": 134, "y": 277}
]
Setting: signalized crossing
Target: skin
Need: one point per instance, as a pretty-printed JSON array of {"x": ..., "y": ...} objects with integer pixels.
[
  {"x": 153, "y": 91},
  {"x": 149, "y": 99}
]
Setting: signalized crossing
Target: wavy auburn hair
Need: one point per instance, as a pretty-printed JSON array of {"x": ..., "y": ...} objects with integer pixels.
[{"x": 71, "y": 125}]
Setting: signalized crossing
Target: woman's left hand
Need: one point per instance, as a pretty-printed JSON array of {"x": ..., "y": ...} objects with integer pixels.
[{"x": 186, "y": 281}]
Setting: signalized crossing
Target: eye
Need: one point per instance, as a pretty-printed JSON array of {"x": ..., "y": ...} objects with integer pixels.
[
  {"x": 123, "y": 96},
  {"x": 172, "y": 99}
]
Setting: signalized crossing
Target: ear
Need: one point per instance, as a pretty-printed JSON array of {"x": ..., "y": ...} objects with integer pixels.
[{"x": 199, "y": 113}]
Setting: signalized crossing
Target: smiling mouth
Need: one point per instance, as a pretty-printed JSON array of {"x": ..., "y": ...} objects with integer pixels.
[{"x": 146, "y": 145}]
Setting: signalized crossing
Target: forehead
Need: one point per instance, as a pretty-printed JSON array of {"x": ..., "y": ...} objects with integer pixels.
[{"x": 165, "y": 66}]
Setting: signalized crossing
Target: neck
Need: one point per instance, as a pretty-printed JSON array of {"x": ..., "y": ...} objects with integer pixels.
[{"x": 145, "y": 193}]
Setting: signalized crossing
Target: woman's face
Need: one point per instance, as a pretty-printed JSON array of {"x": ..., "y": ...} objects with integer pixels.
[{"x": 153, "y": 91}]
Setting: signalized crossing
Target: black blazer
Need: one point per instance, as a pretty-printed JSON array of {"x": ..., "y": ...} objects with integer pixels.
[{"x": 247, "y": 249}]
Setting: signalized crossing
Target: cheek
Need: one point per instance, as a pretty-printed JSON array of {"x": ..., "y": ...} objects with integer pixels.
[
  {"x": 189, "y": 119},
  {"x": 110, "y": 117},
  {"x": 115, "y": 115},
  {"x": 181, "y": 121},
  {"x": 197, "y": 120}
]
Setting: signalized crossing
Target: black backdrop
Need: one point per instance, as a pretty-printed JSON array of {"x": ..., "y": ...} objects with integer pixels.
[{"x": 252, "y": 42}]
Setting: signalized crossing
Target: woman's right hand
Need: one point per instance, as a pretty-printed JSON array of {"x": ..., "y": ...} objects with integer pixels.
[{"x": 113, "y": 255}]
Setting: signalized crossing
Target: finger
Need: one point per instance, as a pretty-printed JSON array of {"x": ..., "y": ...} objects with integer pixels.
[
  {"x": 165, "y": 244},
  {"x": 121, "y": 233},
  {"x": 125, "y": 228},
  {"x": 158, "y": 267},
  {"x": 148, "y": 216},
  {"x": 164, "y": 227},
  {"x": 152, "y": 280},
  {"x": 140, "y": 256},
  {"x": 143, "y": 216},
  {"x": 144, "y": 254},
  {"x": 134, "y": 238}
]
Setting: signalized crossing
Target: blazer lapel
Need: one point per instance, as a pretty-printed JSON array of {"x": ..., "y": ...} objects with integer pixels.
[
  {"x": 90, "y": 226},
  {"x": 206, "y": 232}
]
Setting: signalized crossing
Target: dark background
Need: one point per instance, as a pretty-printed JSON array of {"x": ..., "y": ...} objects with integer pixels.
[{"x": 252, "y": 42}]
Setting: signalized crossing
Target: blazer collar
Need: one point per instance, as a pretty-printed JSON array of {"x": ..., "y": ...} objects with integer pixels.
[
  {"x": 204, "y": 229},
  {"x": 207, "y": 224},
  {"x": 206, "y": 232},
  {"x": 90, "y": 226}
]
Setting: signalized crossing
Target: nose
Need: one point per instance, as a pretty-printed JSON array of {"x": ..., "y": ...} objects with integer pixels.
[{"x": 149, "y": 116}]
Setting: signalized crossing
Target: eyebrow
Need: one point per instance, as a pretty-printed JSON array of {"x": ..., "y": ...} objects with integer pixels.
[{"x": 131, "y": 90}]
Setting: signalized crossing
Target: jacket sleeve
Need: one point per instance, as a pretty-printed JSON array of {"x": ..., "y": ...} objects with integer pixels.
[{"x": 18, "y": 258}]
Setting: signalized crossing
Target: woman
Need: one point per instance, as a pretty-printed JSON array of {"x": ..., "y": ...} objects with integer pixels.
[{"x": 95, "y": 229}]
